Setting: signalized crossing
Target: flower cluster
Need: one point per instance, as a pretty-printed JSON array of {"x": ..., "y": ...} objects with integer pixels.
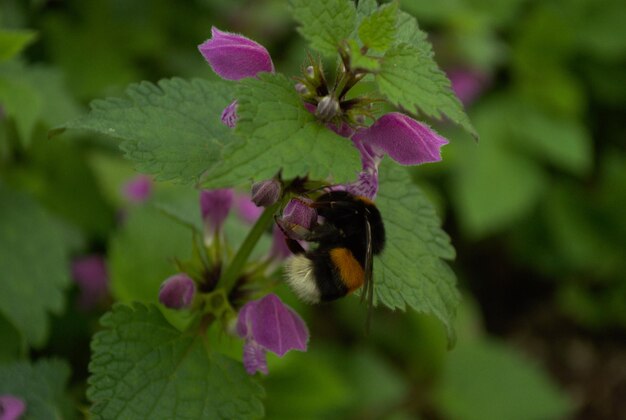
[
  {"x": 266, "y": 324},
  {"x": 405, "y": 140}
]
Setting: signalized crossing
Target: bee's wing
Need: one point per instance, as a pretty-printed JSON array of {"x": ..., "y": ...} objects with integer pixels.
[{"x": 368, "y": 286}]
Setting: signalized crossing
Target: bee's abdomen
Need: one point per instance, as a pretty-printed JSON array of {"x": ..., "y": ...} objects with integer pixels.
[{"x": 350, "y": 272}]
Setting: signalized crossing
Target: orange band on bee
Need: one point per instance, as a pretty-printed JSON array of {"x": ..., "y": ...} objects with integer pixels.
[
  {"x": 365, "y": 200},
  {"x": 349, "y": 268}
]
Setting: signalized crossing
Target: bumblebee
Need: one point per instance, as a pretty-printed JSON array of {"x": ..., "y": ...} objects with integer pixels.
[{"x": 351, "y": 233}]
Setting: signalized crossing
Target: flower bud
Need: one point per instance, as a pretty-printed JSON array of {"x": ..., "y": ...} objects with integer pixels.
[
  {"x": 327, "y": 108},
  {"x": 265, "y": 193},
  {"x": 302, "y": 89},
  {"x": 11, "y": 408},
  {"x": 298, "y": 212},
  {"x": 177, "y": 291},
  {"x": 298, "y": 218},
  {"x": 234, "y": 57},
  {"x": 310, "y": 73}
]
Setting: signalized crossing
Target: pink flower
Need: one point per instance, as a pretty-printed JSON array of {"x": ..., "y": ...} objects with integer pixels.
[
  {"x": 138, "y": 189},
  {"x": 229, "y": 115},
  {"x": 297, "y": 218},
  {"x": 234, "y": 57},
  {"x": 279, "y": 250},
  {"x": 246, "y": 209},
  {"x": 405, "y": 140},
  {"x": 11, "y": 408},
  {"x": 90, "y": 274},
  {"x": 214, "y": 206},
  {"x": 177, "y": 291},
  {"x": 468, "y": 84},
  {"x": 267, "y": 324}
]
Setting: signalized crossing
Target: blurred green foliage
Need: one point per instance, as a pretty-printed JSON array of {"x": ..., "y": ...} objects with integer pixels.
[{"x": 535, "y": 208}]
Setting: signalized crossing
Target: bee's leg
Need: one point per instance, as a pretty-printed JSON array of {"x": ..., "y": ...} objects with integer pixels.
[
  {"x": 294, "y": 246},
  {"x": 323, "y": 232}
]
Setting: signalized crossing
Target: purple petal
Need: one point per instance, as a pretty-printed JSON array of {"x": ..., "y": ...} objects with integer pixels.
[
  {"x": 177, "y": 291},
  {"x": 215, "y": 205},
  {"x": 229, "y": 115},
  {"x": 265, "y": 193},
  {"x": 297, "y": 212},
  {"x": 273, "y": 325},
  {"x": 367, "y": 183},
  {"x": 11, "y": 408},
  {"x": 246, "y": 209},
  {"x": 344, "y": 130},
  {"x": 254, "y": 359},
  {"x": 468, "y": 84},
  {"x": 90, "y": 274},
  {"x": 279, "y": 250},
  {"x": 138, "y": 189},
  {"x": 234, "y": 56},
  {"x": 405, "y": 140}
]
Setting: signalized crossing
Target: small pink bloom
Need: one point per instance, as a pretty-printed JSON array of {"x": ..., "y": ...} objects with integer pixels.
[
  {"x": 138, "y": 189},
  {"x": 267, "y": 324},
  {"x": 468, "y": 84},
  {"x": 11, "y": 407},
  {"x": 90, "y": 274},
  {"x": 229, "y": 115},
  {"x": 367, "y": 184},
  {"x": 246, "y": 209},
  {"x": 297, "y": 218},
  {"x": 234, "y": 56},
  {"x": 177, "y": 291},
  {"x": 279, "y": 250},
  {"x": 405, "y": 140},
  {"x": 215, "y": 205}
]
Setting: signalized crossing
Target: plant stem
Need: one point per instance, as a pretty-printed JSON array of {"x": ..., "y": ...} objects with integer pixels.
[{"x": 233, "y": 271}]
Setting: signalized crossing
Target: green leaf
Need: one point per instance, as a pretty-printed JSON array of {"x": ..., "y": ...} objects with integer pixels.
[
  {"x": 13, "y": 344},
  {"x": 142, "y": 254},
  {"x": 181, "y": 204},
  {"x": 22, "y": 101},
  {"x": 172, "y": 129},
  {"x": 564, "y": 143},
  {"x": 410, "y": 78},
  {"x": 13, "y": 42},
  {"x": 33, "y": 263},
  {"x": 308, "y": 385},
  {"x": 31, "y": 94},
  {"x": 362, "y": 62},
  {"x": 325, "y": 23},
  {"x": 142, "y": 367},
  {"x": 486, "y": 380},
  {"x": 277, "y": 132},
  {"x": 410, "y": 270},
  {"x": 494, "y": 187},
  {"x": 408, "y": 32},
  {"x": 365, "y": 8},
  {"x": 40, "y": 385},
  {"x": 378, "y": 30}
]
